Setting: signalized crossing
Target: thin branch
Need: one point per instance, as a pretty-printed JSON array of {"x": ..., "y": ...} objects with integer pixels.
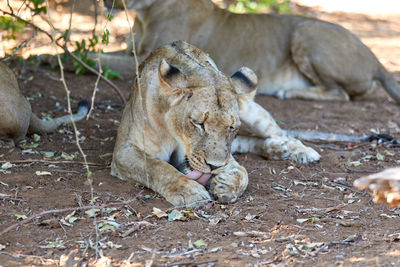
[
  {"x": 22, "y": 45},
  {"x": 42, "y": 213},
  {"x": 98, "y": 60},
  {"x": 5, "y": 197},
  {"x": 67, "y": 91},
  {"x": 65, "y": 48},
  {"x": 95, "y": 17},
  {"x": 191, "y": 263},
  {"x": 139, "y": 91},
  {"x": 50, "y": 162},
  {"x": 17, "y": 256}
]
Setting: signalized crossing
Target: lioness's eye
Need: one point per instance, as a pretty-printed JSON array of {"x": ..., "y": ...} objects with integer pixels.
[{"x": 198, "y": 124}]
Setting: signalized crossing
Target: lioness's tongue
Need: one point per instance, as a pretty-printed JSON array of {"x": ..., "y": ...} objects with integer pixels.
[{"x": 200, "y": 177}]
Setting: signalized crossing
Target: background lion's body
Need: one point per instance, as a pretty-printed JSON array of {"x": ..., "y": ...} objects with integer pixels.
[
  {"x": 16, "y": 117},
  {"x": 15, "y": 110},
  {"x": 293, "y": 56}
]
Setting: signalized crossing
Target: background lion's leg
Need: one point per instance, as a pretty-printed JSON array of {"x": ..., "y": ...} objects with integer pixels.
[
  {"x": 227, "y": 186},
  {"x": 315, "y": 93},
  {"x": 160, "y": 176}
]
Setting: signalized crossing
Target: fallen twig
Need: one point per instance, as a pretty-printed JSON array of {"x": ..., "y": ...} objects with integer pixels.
[
  {"x": 50, "y": 162},
  {"x": 40, "y": 214},
  {"x": 17, "y": 256},
  {"x": 325, "y": 247},
  {"x": 136, "y": 226},
  {"x": 191, "y": 263},
  {"x": 250, "y": 234},
  {"x": 6, "y": 197}
]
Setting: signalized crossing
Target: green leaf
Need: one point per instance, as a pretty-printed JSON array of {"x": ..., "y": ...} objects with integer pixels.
[
  {"x": 354, "y": 163},
  {"x": 380, "y": 157},
  {"x": 109, "y": 226},
  {"x": 47, "y": 154},
  {"x": 7, "y": 165},
  {"x": 213, "y": 250},
  {"x": 308, "y": 220},
  {"x": 29, "y": 151},
  {"x": 310, "y": 246},
  {"x": 92, "y": 212},
  {"x": 36, "y": 138},
  {"x": 176, "y": 215},
  {"x": 20, "y": 216},
  {"x": 106, "y": 37},
  {"x": 67, "y": 156},
  {"x": 108, "y": 210},
  {"x": 199, "y": 243},
  {"x": 111, "y": 74},
  {"x": 71, "y": 218}
]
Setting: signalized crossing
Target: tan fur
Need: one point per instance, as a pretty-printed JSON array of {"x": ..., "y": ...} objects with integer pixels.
[
  {"x": 293, "y": 56},
  {"x": 385, "y": 186},
  {"x": 16, "y": 117},
  {"x": 185, "y": 107}
]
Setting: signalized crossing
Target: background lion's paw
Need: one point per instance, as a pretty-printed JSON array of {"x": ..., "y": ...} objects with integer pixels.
[{"x": 188, "y": 193}]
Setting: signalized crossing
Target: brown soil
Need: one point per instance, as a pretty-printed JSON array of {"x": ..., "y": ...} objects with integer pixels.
[{"x": 263, "y": 227}]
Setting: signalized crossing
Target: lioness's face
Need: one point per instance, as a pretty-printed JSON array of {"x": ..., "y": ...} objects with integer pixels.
[
  {"x": 210, "y": 123},
  {"x": 203, "y": 112},
  {"x": 205, "y": 118}
]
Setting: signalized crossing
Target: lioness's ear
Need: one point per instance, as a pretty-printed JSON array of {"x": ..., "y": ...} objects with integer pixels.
[
  {"x": 172, "y": 82},
  {"x": 245, "y": 82}
]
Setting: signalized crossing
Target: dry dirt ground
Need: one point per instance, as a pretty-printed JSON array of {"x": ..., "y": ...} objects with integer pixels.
[{"x": 290, "y": 214}]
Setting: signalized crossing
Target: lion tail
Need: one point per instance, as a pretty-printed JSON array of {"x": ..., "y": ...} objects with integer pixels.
[
  {"x": 389, "y": 83},
  {"x": 36, "y": 125},
  {"x": 332, "y": 137}
]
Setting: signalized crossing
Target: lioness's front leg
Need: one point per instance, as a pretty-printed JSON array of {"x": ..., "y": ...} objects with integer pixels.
[
  {"x": 131, "y": 164},
  {"x": 229, "y": 185},
  {"x": 275, "y": 147},
  {"x": 272, "y": 142}
]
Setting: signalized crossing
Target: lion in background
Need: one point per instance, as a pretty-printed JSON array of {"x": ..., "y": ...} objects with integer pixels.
[
  {"x": 16, "y": 116},
  {"x": 293, "y": 56}
]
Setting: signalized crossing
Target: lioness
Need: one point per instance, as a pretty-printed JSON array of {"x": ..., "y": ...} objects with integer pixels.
[
  {"x": 16, "y": 117},
  {"x": 183, "y": 118},
  {"x": 293, "y": 56}
]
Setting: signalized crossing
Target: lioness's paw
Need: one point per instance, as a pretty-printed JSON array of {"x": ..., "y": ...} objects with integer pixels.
[
  {"x": 281, "y": 147},
  {"x": 229, "y": 185},
  {"x": 275, "y": 148},
  {"x": 301, "y": 153},
  {"x": 187, "y": 193}
]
